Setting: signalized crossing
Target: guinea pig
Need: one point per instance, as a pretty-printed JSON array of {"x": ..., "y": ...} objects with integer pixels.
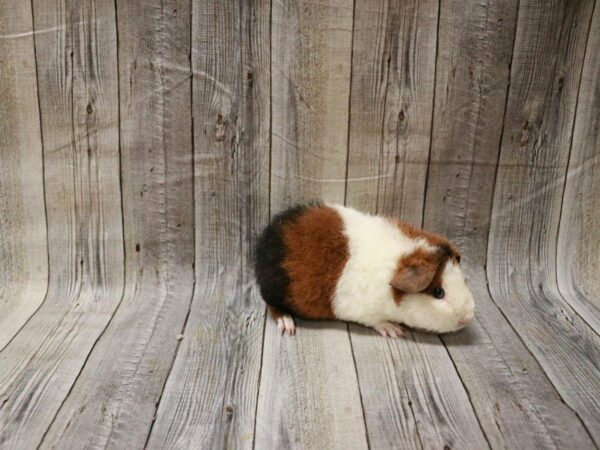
[{"x": 322, "y": 261}]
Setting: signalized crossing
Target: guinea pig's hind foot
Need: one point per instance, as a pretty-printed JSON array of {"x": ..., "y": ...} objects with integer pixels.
[
  {"x": 389, "y": 329},
  {"x": 285, "y": 324}
]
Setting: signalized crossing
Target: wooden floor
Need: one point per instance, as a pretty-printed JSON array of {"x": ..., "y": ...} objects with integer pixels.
[{"x": 145, "y": 143}]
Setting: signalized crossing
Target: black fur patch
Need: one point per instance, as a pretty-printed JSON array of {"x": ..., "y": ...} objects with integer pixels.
[{"x": 269, "y": 254}]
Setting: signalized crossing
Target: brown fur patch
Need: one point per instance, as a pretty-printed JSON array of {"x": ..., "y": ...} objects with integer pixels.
[
  {"x": 316, "y": 253},
  {"x": 445, "y": 250},
  {"x": 415, "y": 271}
]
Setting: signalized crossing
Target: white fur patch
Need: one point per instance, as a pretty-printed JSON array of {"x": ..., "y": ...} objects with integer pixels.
[{"x": 363, "y": 293}]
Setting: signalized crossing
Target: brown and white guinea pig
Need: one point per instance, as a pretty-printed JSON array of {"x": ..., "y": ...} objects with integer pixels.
[{"x": 321, "y": 261}]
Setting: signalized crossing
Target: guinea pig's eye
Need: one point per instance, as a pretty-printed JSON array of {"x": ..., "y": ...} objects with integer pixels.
[{"x": 438, "y": 293}]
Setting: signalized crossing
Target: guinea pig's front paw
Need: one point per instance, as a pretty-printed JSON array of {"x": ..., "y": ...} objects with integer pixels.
[
  {"x": 389, "y": 329},
  {"x": 285, "y": 324}
]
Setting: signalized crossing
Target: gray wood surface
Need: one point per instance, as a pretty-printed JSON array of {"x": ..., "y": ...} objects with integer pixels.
[
  {"x": 209, "y": 400},
  {"x": 309, "y": 395},
  {"x": 579, "y": 237},
  {"x": 144, "y": 145},
  {"x": 114, "y": 400},
  {"x": 310, "y": 90},
  {"x": 475, "y": 47},
  {"x": 23, "y": 243},
  {"x": 412, "y": 395},
  {"x": 393, "y": 71},
  {"x": 515, "y": 402},
  {"x": 77, "y": 79},
  {"x": 539, "y": 115}
]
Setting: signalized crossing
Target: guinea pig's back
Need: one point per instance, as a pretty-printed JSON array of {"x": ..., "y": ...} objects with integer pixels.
[{"x": 299, "y": 259}]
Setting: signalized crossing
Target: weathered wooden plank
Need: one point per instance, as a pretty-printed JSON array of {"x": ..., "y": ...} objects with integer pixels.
[
  {"x": 23, "y": 245},
  {"x": 472, "y": 75},
  {"x": 411, "y": 393},
  {"x": 113, "y": 402},
  {"x": 393, "y": 71},
  {"x": 579, "y": 236},
  {"x": 210, "y": 397},
  {"x": 309, "y": 396},
  {"x": 515, "y": 402},
  {"x": 310, "y": 70},
  {"x": 76, "y": 66},
  {"x": 546, "y": 69}
]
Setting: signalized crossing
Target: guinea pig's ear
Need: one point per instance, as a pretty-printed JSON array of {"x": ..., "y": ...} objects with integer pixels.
[{"x": 414, "y": 274}]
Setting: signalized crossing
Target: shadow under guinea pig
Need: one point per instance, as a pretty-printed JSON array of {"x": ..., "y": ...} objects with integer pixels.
[{"x": 463, "y": 337}]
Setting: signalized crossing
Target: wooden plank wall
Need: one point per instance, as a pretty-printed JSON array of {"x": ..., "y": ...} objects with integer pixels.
[
  {"x": 528, "y": 199},
  {"x": 144, "y": 144},
  {"x": 210, "y": 398},
  {"x": 514, "y": 407},
  {"x": 125, "y": 374},
  {"x": 23, "y": 240},
  {"x": 78, "y": 101}
]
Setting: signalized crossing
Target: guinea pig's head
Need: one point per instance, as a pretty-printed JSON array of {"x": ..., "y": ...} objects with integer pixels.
[{"x": 430, "y": 290}]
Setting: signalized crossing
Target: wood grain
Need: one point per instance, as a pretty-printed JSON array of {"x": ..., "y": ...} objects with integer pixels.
[
  {"x": 114, "y": 400},
  {"x": 472, "y": 76},
  {"x": 310, "y": 67},
  {"x": 76, "y": 66},
  {"x": 545, "y": 77},
  {"x": 515, "y": 402},
  {"x": 579, "y": 236},
  {"x": 209, "y": 400},
  {"x": 23, "y": 243},
  {"x": 309, "y": 396},
  {"x": 412, "y": 395},
  {"x": 393, "y": 71}
]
